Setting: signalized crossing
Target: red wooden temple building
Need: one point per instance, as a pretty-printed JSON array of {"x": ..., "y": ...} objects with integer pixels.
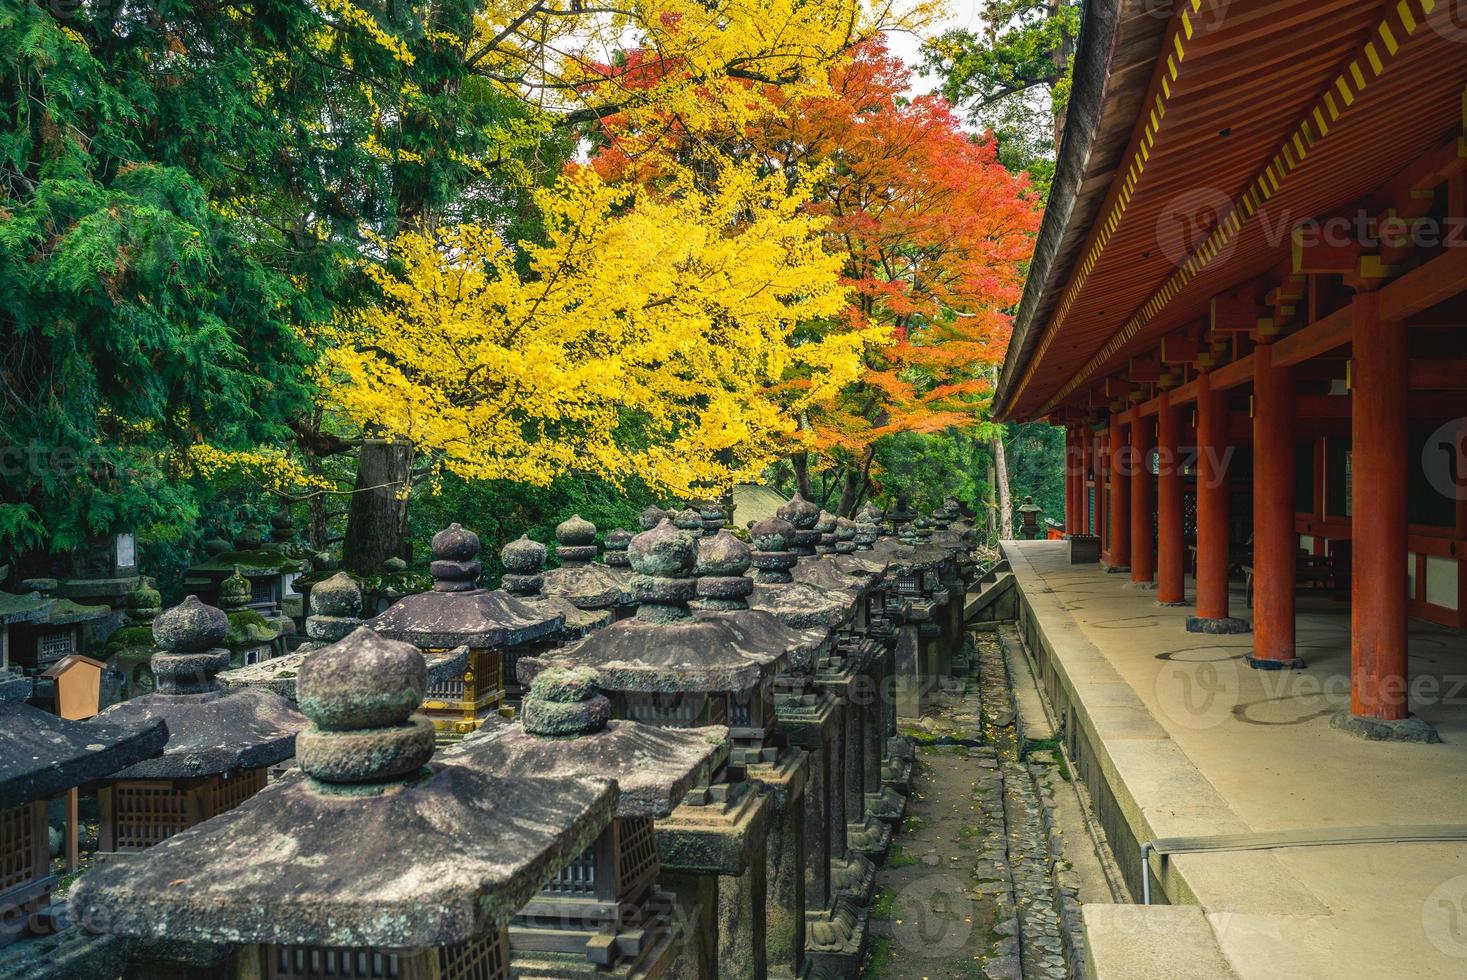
[{"x": 1246, "y": 307}]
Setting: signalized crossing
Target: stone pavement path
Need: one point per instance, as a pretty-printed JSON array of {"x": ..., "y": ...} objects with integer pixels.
[{"x": 967, "y": 890}]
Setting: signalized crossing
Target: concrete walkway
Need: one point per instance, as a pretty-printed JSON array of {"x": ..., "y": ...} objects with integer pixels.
[{"x": 1191, "y": 742}]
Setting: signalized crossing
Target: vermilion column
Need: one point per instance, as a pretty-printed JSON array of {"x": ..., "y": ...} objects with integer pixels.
[
  {"x": 1274, "y": 538},
  {"x": 1120, "y": 496},
  {"x": 1169, "y": 543},
  {"x": 1378, "y": 528},
  {"x": 1212, "y": 513},
  {"x": 1087, "y": 452},
  {"x": 1142, "y": 493}
]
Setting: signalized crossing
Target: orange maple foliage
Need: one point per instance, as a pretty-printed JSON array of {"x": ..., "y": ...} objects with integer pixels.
[{"x": 935, "y": 232}]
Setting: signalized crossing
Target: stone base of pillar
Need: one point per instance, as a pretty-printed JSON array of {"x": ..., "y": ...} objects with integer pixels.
[
  {"x": 888, "y": 806},
  {"x": 1263, "y": 663},
  {"x": 897, "y": 764},
  {"x": 1114, "y": 569},
  {"x": 870, "y": 837},
  {"x": 1408, "y": 729},
  {"x": 1173, "y": 605},
  {"x": 1220, "y": 625},
  {"x": 836, "y": 941},
  {"x": 1142, "y": 586},
  {"x": 852, "y": 876}
]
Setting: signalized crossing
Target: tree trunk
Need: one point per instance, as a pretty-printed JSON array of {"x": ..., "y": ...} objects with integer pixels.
[
  {"x": 1001, "y": 479},
  {"x": 376, "y": 523},
  {"x": 801, "y": 461},
  {"x": 854, "y": 487}
]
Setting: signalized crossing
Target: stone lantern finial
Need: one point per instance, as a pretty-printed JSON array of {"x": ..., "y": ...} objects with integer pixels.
[
  {"x": 234, "y": 592},
  {"x": 565, "y": 702},
  {"x": 803, "y": 515},
  {"x": 361, "y": 695},
  {"x": 845, "y": 535},
  {"x": 336, "y": 608},
  {"x": 722, "y": 561},
  {"x": 190, "y": 637},
  {"x": 772, "y": 556},
  {"x": 145, "y": 602},
  {"x": 712, "y": 515},
  {"x": 825, "y": 524},
  {"x": 653, "y": 516},
  {"x": 575, "y": 541},
  {"x": 663, "y": 559},
  {"x": 455, "y": 566},
  {"x": 689, "y": 521},
  {"x": 524, "y": 566},
  {"x": 616, "y": 548}
]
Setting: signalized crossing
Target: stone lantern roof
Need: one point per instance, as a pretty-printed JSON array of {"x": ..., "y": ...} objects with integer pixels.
[
  {"x": 566, "y": 735},
  {"x": 377, "y": 844},
  {"x": 211, "y": 730},
  {"x": 46, "y": 755},
  {"x": 457, "y": 612},
  {"x": 665, "y": 648}
]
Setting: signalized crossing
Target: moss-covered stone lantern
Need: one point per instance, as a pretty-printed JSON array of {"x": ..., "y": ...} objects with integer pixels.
[
  {"x": 220, "y": 742},
  {"x": 605, "y": 913},
  {"x": 376, "y": 859},
  {"x": 457, "y": 612}
]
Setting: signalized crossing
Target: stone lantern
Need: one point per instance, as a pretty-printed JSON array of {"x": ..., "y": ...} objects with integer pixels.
[
  {"x": 713, "y": 518},
  {"x": 377, "y": 859},
  {"x": 616, "y": 549},
  {"x": 458, "y": 613},
  {"x": 818, "y": 707},
  {"x": 667, "y": 666},
  {"x": 46, "y": 756},
  {"x": 251, "y": 637},
  {"x": 582, "y": 581},
  {"x": 722, "y": 586},
  {"x": 269, "y": 572},
  {"x": 525, "y": 579},
  {"x": 604, "y": 914},
  {"x": 220, "y": 742},
  {"x": 336, "y": 604},
  {"x": 1029, "y": 513}
]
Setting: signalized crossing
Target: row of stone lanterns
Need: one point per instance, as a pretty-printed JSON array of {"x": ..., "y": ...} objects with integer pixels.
[{"x": 725, "y": 742}]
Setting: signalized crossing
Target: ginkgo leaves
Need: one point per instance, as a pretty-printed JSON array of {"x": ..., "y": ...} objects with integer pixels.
[{"x": 640, "y": 340}]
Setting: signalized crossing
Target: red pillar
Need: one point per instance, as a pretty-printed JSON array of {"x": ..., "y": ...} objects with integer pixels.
[
  {"x": 1378, "y": 490},
  {"x": 1087, "y": 453},
  {"x": 1212, "y": 513},
  {"x": 1274, "y": 539},
  {"x": 1142, "y": 492},
  {"x": 1120, "y": 496},
  {"x": 1169, "y": 546}
]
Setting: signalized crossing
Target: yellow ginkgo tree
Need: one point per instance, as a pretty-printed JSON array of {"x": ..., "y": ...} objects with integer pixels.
[{"x": 638, "y": 338}]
